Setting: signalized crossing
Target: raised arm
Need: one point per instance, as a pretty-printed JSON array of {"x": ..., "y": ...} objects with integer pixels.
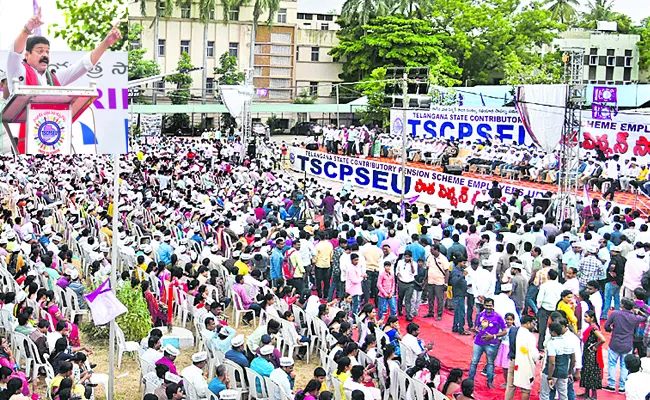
[
  {"x": 113, "y": 36},
  {"x": 33, "y": 23}
]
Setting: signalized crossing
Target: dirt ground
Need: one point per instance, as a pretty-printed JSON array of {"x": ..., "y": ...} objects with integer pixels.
[{"x": 128, "y": 376}]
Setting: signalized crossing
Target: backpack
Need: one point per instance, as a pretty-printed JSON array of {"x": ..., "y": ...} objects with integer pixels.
[
  {"x": 288, "y": 268},
  {"x": 13, "y": 262}
]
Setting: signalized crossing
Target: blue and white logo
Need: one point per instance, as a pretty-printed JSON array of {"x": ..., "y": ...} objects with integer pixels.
[
  {"x": 292, "y": 158},
  {"x": 398, "y": 125},
  {"x": 49, "y": 133}
]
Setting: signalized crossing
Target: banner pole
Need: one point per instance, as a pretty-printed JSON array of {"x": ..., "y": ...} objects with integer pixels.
[
  {"x": 111, "y": 340},
  {"x": 404, "y": 155}
]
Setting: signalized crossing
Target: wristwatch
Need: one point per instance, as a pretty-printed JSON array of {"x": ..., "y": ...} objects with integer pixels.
[{"x": 27, "y": 31}]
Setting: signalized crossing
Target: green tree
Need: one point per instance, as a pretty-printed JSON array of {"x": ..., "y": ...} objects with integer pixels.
[
  {"x": 362, "y": 11},
  {"x": 163, "y": 9},
  {"x": 393, "y": 41},
  {"x": 228, "y": 75},
  {"x": 602, "y": 10},
  {"x": 227, "y": 70},
  {"x": 373, "y": 89},
  {"x": 533, "y": 70},
  {"x": 139, "y": 67},
  {"x": 564, "y": 11},
  {"x": 88, "y": 22},
  {"x": 644, "y": 44},
  {"x": 181, "y": 95}
]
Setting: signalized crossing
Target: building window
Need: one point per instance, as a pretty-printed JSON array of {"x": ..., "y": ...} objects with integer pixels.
[
  {"x": 279, "y": 95},
  {"x": 280, "y": 71},
  {"x": 185, "y": 11},
  {"x": 628, "y": 53},
  {"x": 159, "y": 86},
  {"x": 279, "y": 83},
  {"x": 258, "y": 49},
  {"x": 315, "y": 53},
  {"x": 313, "y": 88},
  {"x": 257, "y": 71},
  {"x": 135, "y": 44},
  {"x": 627, "y": 74},
  {"x": 281, "y": 37},
  {"x": 282, "y": 16},
  {"x": 161, "y": 47},
  {"x": 280, "y": 60},
  {"x": 324, "y": 27},
  {"x": 233, "y": 49},
  {"x": 210, "y": 49},
  {"x": 307, "y": 25},
  {"x": 185, "y": 46},
  {"x": 234, "y": 14},
  {"x": 278, "y": 49},
  {"x": 212, "y": 14},
  {"x": 209, "y": 86}
]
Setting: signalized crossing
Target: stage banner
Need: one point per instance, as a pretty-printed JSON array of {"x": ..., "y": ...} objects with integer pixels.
[
  {"x": 151, "y": 124},
  {"x": 625, "y": 134},
  {"x": 463, "y": 123},
  {"x": 103, "y": 128},
  {"x": 436, "y": 188}
]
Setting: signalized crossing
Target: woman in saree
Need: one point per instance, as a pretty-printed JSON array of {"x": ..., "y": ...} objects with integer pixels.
[
  {"x": 48, "y": 305},
  {"x": 7, "y": 360}
]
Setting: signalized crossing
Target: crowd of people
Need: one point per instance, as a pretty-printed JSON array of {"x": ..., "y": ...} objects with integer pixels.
[{"x": 204, "y": 230}]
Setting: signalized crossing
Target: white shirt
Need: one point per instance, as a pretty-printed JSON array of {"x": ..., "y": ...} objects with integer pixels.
[
  {"x": 573, "y": 285},
  {"x": 413, "y": 344},
  {"x": 611, "y": 168},
  {"x": 484, "y": 283},
  {"x": 406, "y": 271},
  {"x": 636, "y": 386},
  {"x": 194, "y": 375},
  {"x": 282, "y": 380},
  {"x": 553, "y": 253},
  {"x": 52, "y": 337},
  {"x": 151, "y": 356},
  {"x": 16, "y": 69}
]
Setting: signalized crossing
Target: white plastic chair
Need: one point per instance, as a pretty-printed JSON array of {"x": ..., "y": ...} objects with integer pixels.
[
  {"x": 238, "y": 310},
  {"x": 237, "y": 376},
  {"x": 73, "y": 305},
  {"x": 256, "y": 387},
  {"x": 35, "y": 358},
  {"x": 145, "y": 368},
  {"x": 123, "y": 346},
  {"x": 290, "y": 340},
  {"x": 337, "y": 387}
]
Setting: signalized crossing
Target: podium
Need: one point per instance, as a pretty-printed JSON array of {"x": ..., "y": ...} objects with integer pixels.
[{"x": 46, "y": 114}]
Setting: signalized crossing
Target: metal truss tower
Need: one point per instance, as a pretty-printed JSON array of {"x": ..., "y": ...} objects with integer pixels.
[
  {"x": 569, "y": 161},
  {"x": 247, "y": 114}
]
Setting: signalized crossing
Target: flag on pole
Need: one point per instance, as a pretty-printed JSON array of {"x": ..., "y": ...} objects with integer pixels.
[
  {"x": 104, "y": 305},
  {"x": 37, "y": 31}
]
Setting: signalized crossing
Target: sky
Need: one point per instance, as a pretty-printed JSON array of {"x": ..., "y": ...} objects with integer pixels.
[
  {"x": 21, "y": 10},
  {"x": 636, "y": 9}
]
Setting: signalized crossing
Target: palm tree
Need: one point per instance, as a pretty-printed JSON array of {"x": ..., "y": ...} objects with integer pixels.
[
  {"x": 411, "y": 8},
  {"x": 161, "y": 12},
  {"x": 599, "y": 10},
  {"x": 563, "y": 10},
  {"x": 259, "y": 8},
  {"x": 362, "y": 11},
  {"x": 206, "y": 8}
]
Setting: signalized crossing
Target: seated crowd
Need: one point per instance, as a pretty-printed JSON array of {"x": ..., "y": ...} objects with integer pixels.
[{"x": 310, "y": 272}]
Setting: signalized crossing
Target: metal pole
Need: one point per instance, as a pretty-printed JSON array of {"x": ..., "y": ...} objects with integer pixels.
[
  {"x": 338, "y": 108},
  {"x": 111, "y": 340},
  {"x": 404, "y": 116}
]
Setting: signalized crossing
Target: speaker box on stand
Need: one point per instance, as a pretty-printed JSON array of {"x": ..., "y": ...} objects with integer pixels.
[{"x": 453, "y": 169}]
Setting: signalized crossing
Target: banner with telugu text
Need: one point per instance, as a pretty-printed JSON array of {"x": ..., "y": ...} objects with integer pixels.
[{"x": 424, "y": 185}]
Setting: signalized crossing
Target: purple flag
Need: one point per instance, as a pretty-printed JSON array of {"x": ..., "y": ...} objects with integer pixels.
[
  {"x": 604, "y": 94},
  {"x": 37, "y": 31},
  {"x": 104, "y": 305},
  {"x": 601, "y": 112}
]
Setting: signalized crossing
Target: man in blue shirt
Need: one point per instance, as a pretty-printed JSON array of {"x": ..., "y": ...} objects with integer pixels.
[
  {"x": 220, "y": 382},
  {"x": 236, "y": 353},
  {"x": 560, "y": 361},
  {"x": 417, "y": 250},
  {"x": 165, "y": 250},
  {"x": 262, "y": 364},
  {"x": 277, "y": 257}
]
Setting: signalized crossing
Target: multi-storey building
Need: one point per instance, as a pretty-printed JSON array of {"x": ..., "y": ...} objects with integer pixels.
[{"x": 291, "y": 54}]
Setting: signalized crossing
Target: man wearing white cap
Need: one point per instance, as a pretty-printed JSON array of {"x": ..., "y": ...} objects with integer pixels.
[
  {"x": 262, "y": 363},
  {"x": 503, "y": 304},
  {"x": 194, "y": 376},
  {"x": 236, "y": 353},
  {"x": 229, "y": 394},
  {"x": 283, "y": 376},
  {"x": 169, "y": 356},
  {"x": 53, "y": 246},
  {"x": 484, "y": 284}
]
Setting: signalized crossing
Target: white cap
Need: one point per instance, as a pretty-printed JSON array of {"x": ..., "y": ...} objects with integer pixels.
[
  {"x": 56, "y": 237},
  {"x": 3, "y": 241},
  {"x": 374, "y": 239},
  {"x": 592, "y": 249},
  {"x": 228, "y": 394},
  {"x": 74, "y": 274},
  {"x": 286, "y": 361},
  {"x": 171, "y": 350},
  {"x": 214, "y": 249},
  {"x": 237, "y": 341},
  {"x": 615, "y": 248},
  {"x": 436, "y": 236},
  {"x": 506, "y": 287},
  {"x": 488, "y": 263},
  {"x": 20, "y": 296},
  {"x": 266, "y": 350},
  {"x": 147, "y": 248},
  {"x": 200, "y": 356},
  {"x": 172, "y": 377}
]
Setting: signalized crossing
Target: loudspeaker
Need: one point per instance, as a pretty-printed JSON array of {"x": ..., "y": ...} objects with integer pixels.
[
  {"x": 312, "y": 146},
  {"x": 543, "y": 203},
  {"x": 252, "y": 150},
  {"x": 453, "y": 169}
]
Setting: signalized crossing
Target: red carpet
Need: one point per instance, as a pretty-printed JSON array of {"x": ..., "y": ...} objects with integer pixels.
[{"x": 455, "y": 351}]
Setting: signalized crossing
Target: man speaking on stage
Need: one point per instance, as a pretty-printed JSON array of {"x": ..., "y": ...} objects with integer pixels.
[{"x": 29, "y": 58}]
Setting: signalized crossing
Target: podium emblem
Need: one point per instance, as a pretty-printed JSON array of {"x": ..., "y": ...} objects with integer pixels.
[{"x": 49, "y": 132}]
